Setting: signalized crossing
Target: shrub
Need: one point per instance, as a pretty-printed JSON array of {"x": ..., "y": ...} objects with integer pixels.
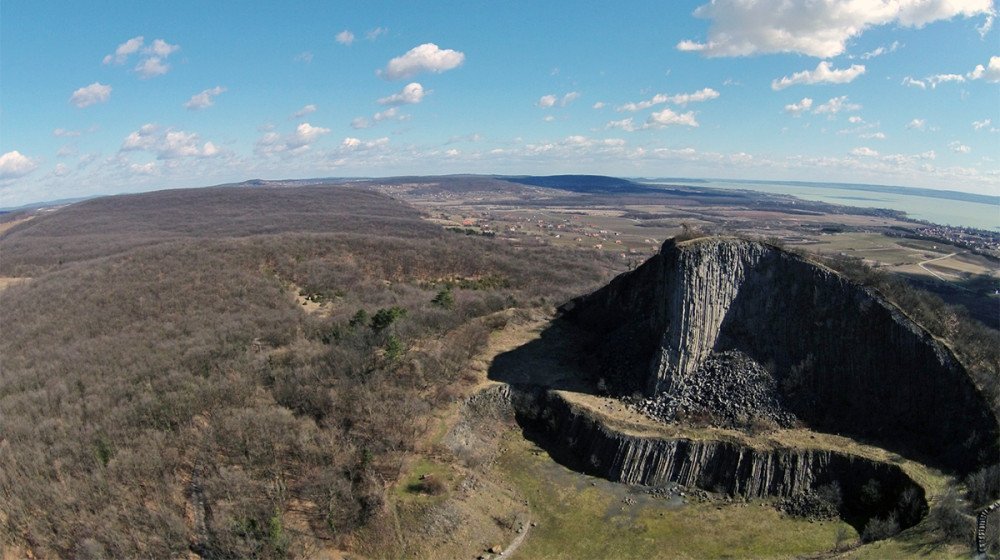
[
  {"x": 878, "y": 529},
  {"x": 433, "y": 485},
  {"x": 688, "y": 232},
  {"x": 444, "y": 299},
  {"x": 983, "y": 486},
  {"x": 386, "y": 316},
  {"x": 950, "y": 519}
]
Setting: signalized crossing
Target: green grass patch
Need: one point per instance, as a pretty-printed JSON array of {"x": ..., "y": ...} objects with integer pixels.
[
  {"x": 411, "y": 484},
  {"x": 583, "y": 517},
  {"x": 911, "y": 545}
]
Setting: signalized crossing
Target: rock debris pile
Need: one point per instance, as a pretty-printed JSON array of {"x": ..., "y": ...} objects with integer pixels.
[{"x": 730, "y": 390}]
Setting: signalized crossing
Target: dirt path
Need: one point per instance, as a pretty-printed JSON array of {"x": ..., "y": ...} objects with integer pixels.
[
  {"x": 935, "y": 274},
  {"x": 931, "y": 272},
  {"x": 517, "y": 542}
]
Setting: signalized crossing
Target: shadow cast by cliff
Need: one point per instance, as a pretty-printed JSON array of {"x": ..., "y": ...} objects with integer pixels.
[{"x": 557, "y": 359}]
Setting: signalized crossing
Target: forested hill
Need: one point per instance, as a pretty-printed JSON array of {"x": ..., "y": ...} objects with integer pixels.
[
  {"x": 110, "y": 225},
  {"x": 201, "y": 371},
  {"x": 593, "y": 184}
]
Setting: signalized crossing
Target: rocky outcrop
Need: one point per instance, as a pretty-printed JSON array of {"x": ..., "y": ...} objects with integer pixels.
[
  {"x": 573, "y": 436},
  {"x": 843, "y": 359}
]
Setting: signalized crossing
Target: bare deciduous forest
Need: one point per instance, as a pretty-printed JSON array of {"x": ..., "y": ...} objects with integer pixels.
[{"x": 164, "y": 390}]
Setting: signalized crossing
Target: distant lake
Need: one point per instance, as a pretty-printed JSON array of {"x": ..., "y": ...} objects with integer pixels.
[{"x": 946, "y": 211}]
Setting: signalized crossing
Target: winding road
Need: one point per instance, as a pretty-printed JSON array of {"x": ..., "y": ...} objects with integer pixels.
[{"x": 935, "y": 274}]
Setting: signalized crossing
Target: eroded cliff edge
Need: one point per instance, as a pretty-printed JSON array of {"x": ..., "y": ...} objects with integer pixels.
[
  {"x": 844, "y": 360},
  {"x": 578, "y": 437}
]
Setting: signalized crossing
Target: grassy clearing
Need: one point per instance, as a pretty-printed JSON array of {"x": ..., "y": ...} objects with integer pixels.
[
  {"x": 410, "y": 485},
  {"x": 584, "y": 517},
  {"x": 6, "y": 282},
  {"x": 879, "y": 248},
  {"x": 910, "y": 544}
]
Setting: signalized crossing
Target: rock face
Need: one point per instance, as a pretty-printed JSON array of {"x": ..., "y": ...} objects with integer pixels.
[
  {"x": 843, "y": 359},
  {"x": 867, "y": 488}
]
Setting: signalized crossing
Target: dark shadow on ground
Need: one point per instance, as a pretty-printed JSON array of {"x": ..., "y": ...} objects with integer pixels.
[{"x": 558, "y": 359}]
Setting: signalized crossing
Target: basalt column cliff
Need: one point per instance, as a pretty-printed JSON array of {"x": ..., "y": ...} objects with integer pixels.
[{"x": 838, "y": 356}]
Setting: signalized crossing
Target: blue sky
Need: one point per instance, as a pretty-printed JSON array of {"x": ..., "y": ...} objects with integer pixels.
[{"x": 109, "y": 97}]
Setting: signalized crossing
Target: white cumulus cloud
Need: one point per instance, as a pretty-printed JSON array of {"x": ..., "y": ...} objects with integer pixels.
[
  {"x": 303, "y": 112},
  {"x": 424, "y": 58},
  {"x": 152, "y": 67},
  {"x": 124, "y": 50},
  {"x": 160, "y": 48},
  {"x": 986, "y": 26},
  {"x": 153, "y": 64},
  {"x": 297, "y": 142},
  {"x": 958, "y": 147},
  {"x": 657, "y": 99},
  {"x": 148, "y": 168},
  {"x": 796, "y": 109},
  {"x": 305, "y": 134},
  {"x": 917, "y": 124},
  {"x": 979, "y": 125},
  {"x": 168, "y": 144},
  {"x": 624, "y": 124},
  {"x": 944, "y": 78},
  {"x": 391, "y": 113},
  {"x": 411, "y": 94},
  {"x": 13, "y": 165},
  {"x": 667, "y": 117},
  {"x": 683, "y": 99},
  {"x": 659, "y": 119},
  {"x": 880, "y": 51},
  {"x": 864, "y": 151},
  {"x": 837, "y": 105},
  {"x": 992, "y": 71},
  {"x": 822, "y": 74},
  {"x": 178, "y": 144},
  {"x": 569, "y": 98},
  {"x": 350, "y": 143},
  {"x": 821, "y": 29},
  {"x": 144, "y": 139},
  {"x": 345, "y": 37},
  {"x": 90, "y": 95},
  {"x": 361, "y": 123},
  {"x": 547, "y": 101},
  {"x": 203, "y": 100},
  {"x": 679, "y": 99}
]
